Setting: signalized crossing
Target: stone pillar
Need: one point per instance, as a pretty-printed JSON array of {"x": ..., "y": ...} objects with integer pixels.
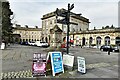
[{"x": 56, "y": 37}]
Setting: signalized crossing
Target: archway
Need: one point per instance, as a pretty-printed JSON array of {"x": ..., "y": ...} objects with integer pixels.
[
  {"x": 26, "y": 40},
  {"x": 23, "y": 40},
  {"x": 107, "y": 40},
  {"x": 46, "y": 39},
  {"x": 117, "y": 41},
  {"x": 64, "y": 39},
  {"x": 90, "y": 41},
  {"x": 98, "y": 41},
  {"x": 49, "y": 38},
  {"x": 83, "y": 41},
  {"x": 29, "y": 40},
  {"x": 42, "y": 38}
]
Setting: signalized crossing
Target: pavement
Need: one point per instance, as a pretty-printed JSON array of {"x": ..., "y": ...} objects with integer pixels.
[{"x": 17, "y": 61}]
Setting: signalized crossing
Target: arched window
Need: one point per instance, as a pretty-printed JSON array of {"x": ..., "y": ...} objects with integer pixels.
[
  {"x": 98, "y": 41},
  {"x": 107, "y": 40},
  {"x": 117, "y": 41},
  {"x": 90, "y": 40}
]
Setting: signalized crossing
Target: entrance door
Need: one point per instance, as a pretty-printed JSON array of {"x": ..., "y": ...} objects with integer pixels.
[{"x": 83, "y": 41}]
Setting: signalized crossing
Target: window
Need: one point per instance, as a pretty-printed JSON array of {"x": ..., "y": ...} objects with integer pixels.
[
  {"x": 51, "y": 22},
  {"x": 47, "y": 23},
  {"x": 55, "y": 21}
]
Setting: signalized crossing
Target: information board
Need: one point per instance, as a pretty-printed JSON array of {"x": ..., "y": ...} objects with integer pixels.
[
  {"x": 57, "y": 62},
  {"x": 81, "y": 64},
  {"x": 68, "y": 60}
]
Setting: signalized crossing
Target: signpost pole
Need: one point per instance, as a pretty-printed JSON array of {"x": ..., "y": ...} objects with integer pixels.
[{"x": 68, "y": 20}]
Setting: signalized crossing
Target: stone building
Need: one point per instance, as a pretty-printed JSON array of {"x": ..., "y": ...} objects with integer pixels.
[
  {"x": 98, "y": 37},
  {"x": 26, "y": 34},
  {"x": 49, "y": 21}
]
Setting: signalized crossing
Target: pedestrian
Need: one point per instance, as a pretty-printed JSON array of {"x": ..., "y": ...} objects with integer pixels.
[
  {"x": 81, "y": 46},
  {"x": 108, "y": 51}
]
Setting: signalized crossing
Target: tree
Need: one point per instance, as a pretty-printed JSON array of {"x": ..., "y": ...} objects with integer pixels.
[
  {"x": 6, "y": 22},
  {"x": 107, "y": 27}
]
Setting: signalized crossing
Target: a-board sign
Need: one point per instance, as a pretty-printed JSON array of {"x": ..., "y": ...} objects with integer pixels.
[
  {"x": 68, "y": 60},
  {"x": 3, "y": 46},
  {"x": 39, "y": 64},
  {"x": 56, "y": 62},
  {"x": 81, "y": 64}
]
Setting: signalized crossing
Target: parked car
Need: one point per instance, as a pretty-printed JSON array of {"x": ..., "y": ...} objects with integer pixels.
[
  {"x": 107, "y": 47},
  {"x": 42, "y": 44},
  {"x": 63, "y": 45},
  {"x": 24, "y": 43},
  {"x": 31, "y": 43},
  {"x": 116, "y": 49}
]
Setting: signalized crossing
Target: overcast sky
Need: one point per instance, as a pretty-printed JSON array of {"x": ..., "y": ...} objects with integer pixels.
[{"x": 99, "y": 12}]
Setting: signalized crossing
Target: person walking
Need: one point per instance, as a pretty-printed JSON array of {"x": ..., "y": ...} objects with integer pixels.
[{"x": 108, "y": 51}]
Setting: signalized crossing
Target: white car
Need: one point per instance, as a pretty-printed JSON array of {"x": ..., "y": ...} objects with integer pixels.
[
  {"x": 31, "y": 43},
  {"x": 42, "y": 44}
]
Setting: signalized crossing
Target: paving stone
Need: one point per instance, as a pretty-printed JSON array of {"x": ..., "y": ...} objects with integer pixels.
[{"x": 108, "y": 72}]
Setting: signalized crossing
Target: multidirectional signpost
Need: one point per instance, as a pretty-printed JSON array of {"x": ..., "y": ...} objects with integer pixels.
[{"x": 65, "y": 20}]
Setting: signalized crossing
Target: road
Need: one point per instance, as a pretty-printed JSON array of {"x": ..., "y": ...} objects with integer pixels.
[{"x": 19, "y": 58}]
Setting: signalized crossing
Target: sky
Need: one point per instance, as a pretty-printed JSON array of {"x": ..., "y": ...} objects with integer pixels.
[{"x": 99, "y": 12}]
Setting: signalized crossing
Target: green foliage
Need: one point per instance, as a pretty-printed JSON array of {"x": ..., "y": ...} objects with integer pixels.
[{"x": 6, "y": 22}]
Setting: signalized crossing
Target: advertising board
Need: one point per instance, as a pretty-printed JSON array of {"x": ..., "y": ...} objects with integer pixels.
[
  {"x": 39, "y": 65},
  {"x": 56, "y": 62},
  {"x": 81, "y": 64}
]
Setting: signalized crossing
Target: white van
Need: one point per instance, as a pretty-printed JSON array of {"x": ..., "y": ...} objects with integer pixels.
[{"x": 41, "y": 44}]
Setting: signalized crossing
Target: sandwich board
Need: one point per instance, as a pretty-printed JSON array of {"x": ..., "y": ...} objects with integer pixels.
[
  {"x": 39, "y": 65},
  {"x": 3, "y": 46},
  {"x": 81, "y": 64},
  {"x": 56, "y": 62},
  {"x": 68, "y": 60}
]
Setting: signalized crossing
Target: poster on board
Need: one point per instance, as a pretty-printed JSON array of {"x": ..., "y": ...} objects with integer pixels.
[
  {"x": 39, "y": 68},
  {"x": 81, "y": 64},
  {"x": 56, "y": 62}
]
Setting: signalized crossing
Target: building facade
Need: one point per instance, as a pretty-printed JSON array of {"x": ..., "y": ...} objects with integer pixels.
[
  {"x": 49, "y": 21},
  {"x": 98, "y": 37},
  {"x": 26, "y": 34}
]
